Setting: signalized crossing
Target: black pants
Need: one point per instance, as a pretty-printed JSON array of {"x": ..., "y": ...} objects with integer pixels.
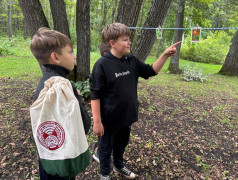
[
  {"x": 45, "y": 176},
  {"x": 117, "y": 141}
]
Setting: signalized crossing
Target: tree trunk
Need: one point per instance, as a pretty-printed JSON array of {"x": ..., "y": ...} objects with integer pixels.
[
  {"x": 230, "y": 66},
  {"x": 113, "y": 11},
  {"x": 83, "y": 39},
  {"x": 156, "y": 16},
  {"x": 34, "y": 16},
  {"x": 1, "y": 18},
  {"x": 59, "y": 15},
  {"x": 128, "y": 13},
  {"x": 104, "y": 11},
  {"x": 159, "y": 47},
  {"x": 24, "y": 29},
  {"x": 178, "y": 34},
  {"x": 18, "y": 21},
  {"x": 9, "y": 6}
]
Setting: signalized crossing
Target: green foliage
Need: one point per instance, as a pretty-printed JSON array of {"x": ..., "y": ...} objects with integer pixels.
[
  {"x": 223, "y": 13},
  {"x": 84, "y": 88},
  {"x": 4, "y": 47},
  {"x": 73, "y": 36},
  {"x": 211, "y": 50},
  {"x": 197, "y": 12},
  {"x": 17, "y": 46},
  {"x": 95, "y": 40},
  {"x": 193, "y": 74}
]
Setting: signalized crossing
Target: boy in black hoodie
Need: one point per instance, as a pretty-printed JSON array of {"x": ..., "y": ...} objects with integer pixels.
[
  {"x": 55, "y": 51},
  {"x": 114, "y": 95}
]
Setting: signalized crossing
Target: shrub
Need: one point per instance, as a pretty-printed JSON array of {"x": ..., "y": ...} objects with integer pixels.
[
  {"x": 84, "y": 88},
  {"x": 4, "y": 48},
  {"x": 211, "y": 50},
  {"x": 193, "y": 74}
]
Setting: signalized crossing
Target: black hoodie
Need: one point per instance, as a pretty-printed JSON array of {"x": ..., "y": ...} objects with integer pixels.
[
  {"x": 114, "y": 81},
  {"x": 54, "y": 70}
]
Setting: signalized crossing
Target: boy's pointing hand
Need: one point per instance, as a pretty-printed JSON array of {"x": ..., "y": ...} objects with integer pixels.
[{"x": 171, "y": 50}]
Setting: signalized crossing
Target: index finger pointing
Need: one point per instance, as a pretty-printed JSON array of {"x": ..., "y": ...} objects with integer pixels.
[{"x": 177, "y": 43}]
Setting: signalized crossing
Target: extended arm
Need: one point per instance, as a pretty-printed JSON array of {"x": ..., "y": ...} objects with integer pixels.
[{"x": 170, "y": 51}]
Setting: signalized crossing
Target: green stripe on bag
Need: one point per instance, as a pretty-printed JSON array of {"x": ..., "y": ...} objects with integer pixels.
[{"x": 66, "y": 168}]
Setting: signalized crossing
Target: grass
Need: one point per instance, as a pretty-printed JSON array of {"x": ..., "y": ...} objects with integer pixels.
[
  {"x": 219, "y": 83},
  {"x": 17, "y": 61},
  {"x": 207, "y": 68},
  {"x": 21, "y": 64},
  {"x": 19, "y": 67}
]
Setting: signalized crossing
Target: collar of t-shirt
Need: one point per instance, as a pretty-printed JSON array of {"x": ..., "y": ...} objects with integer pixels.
[{"x": 111, "y": 56}]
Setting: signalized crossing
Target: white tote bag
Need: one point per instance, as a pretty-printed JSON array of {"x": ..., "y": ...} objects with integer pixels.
[{"x": 58, "y": 129}]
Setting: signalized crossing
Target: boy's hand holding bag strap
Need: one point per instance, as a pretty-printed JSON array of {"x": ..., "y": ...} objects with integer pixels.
[{"x": 58, "y": 129}]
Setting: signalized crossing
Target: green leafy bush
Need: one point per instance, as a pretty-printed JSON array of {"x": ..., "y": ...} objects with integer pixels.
[
  {"x": 211, "y": 50},
  {"x": 193, "y": 74},
  {"x": 17, "y": 46},
  {"x": 84, "y": 88},
  {"x": 4, "y": 47}
]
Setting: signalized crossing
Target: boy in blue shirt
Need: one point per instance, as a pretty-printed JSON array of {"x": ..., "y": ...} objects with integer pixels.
[{"x": 114, "y": 95}]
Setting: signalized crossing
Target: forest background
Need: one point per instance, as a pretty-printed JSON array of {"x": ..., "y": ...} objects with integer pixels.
[{"x": 94, "y": 15}]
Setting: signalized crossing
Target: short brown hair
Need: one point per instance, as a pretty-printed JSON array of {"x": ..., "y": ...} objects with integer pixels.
[
  {"x": 46, "y": 41},
  {"x": 114, "y": 31},
  {"x": 104, "y": 48}
]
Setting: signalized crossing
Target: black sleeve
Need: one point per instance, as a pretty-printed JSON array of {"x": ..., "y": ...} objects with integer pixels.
[
  {"x": 145, "y": 70},
  {"x": 97, "y": 81},
  {"x": 84, "y": 113}
]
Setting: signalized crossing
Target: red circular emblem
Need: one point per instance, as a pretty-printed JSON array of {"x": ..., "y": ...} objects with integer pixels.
[{"x": 51, "y": 135}]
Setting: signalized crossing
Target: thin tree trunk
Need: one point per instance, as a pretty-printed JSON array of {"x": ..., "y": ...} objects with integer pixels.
[
  {"x": 24, "y": 29},
  {"x": 230, "y": 66},
  {"x": 156, "y": 16},
  {"x": 14, "y": 21},
  {"x": 178, "y": 35},
  {"x": 159, "y": 47},
  {"x": 9, "y": 20},
  {"x": 113, "y": 11},
  {"x": 83, "y": 39},
  {"x": 18, "y": 21},
  {"x": 104, "y": 11},
  {"x": 16, "y": 24},
  {"x": 59, "y": 15},
  {"x": 1, "y": 18},
  {"x": 128, "y": 13}
]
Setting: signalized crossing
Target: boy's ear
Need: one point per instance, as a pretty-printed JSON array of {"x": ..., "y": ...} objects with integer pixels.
[
  {"x": 111, "y": 43},
  {"x": 54, "y": 58}
]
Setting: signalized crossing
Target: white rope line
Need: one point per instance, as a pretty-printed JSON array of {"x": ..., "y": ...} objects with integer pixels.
[{"x": 151, "y": 28}]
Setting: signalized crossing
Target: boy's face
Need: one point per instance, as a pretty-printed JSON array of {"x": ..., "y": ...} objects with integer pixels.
[
  {"x": 121, "y": 46},
  {"x": 67, "y": 58}
]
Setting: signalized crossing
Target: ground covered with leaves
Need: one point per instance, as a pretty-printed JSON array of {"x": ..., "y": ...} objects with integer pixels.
[{"x": 178, "y": 135}]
